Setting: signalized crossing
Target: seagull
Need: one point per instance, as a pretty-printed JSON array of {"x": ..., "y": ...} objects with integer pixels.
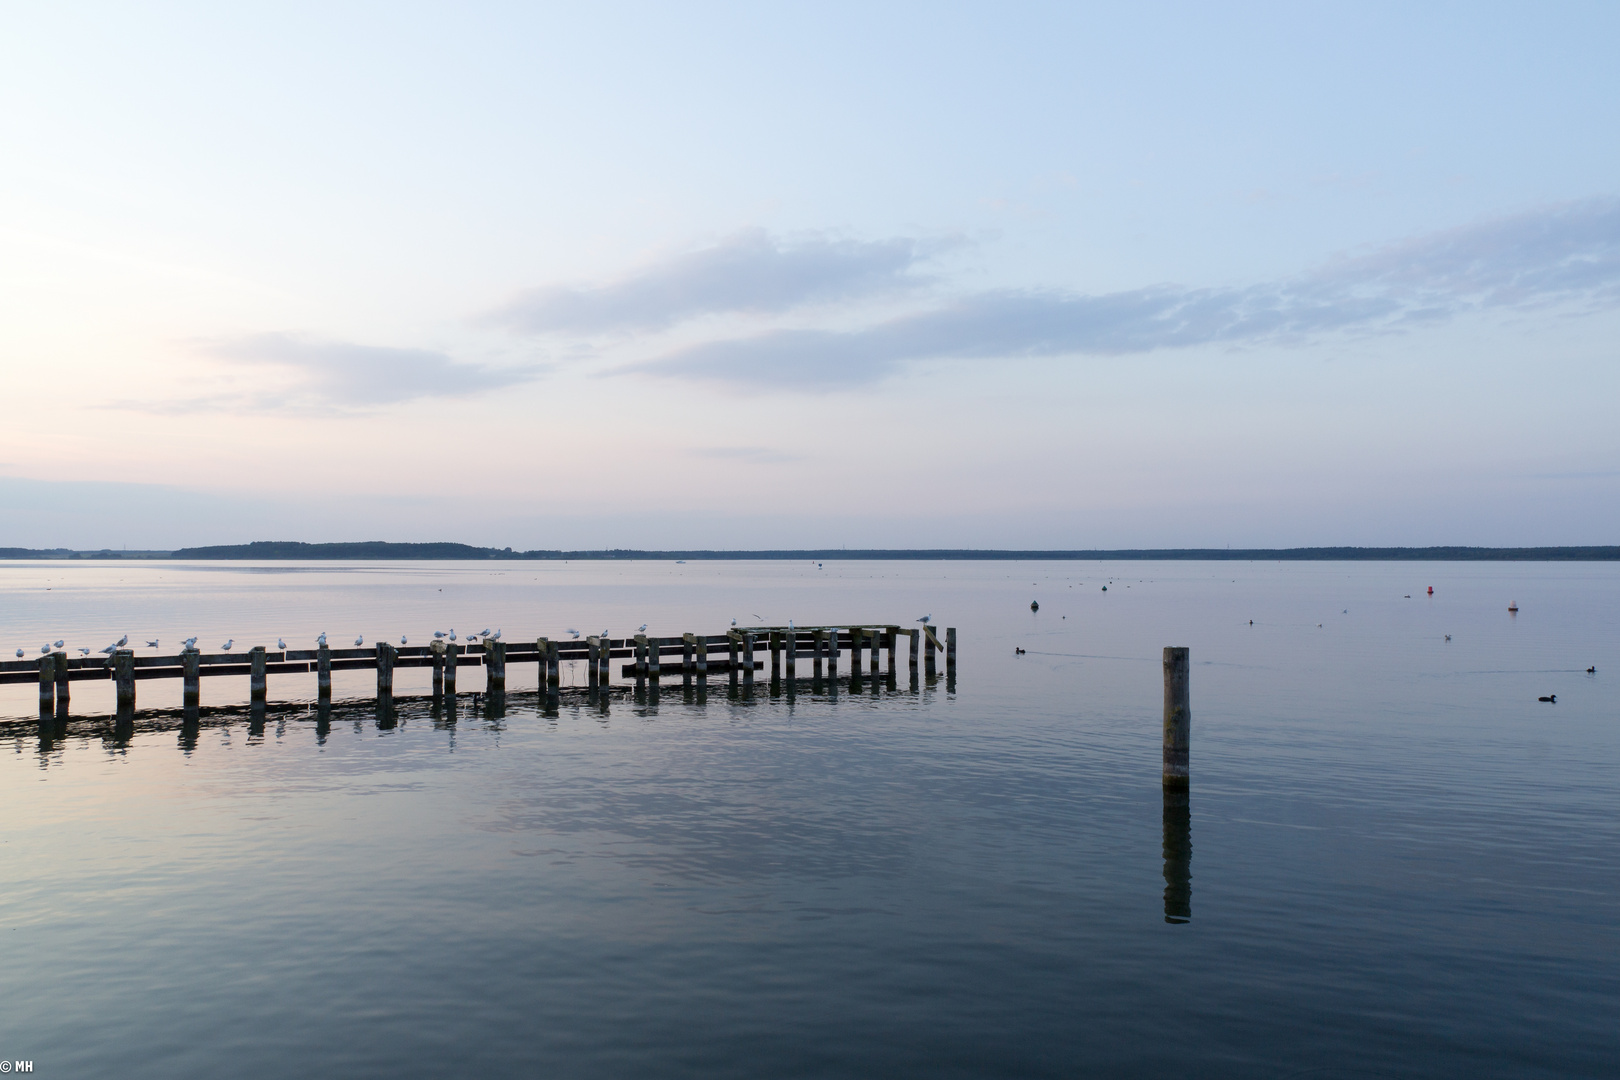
[
  {"x": 733, "y": 623},
  {"x": 227, "y": 646},
  {"x": 321, "y": 641},
  {"x": 121, "y": 641},
  {"x": 790, "y": 624},
  {"x": 437, "y": 634},
  {"x": 190, "y": 643},
  {"x": 84, "y": 650},
  {"x": 497, "y": 636},
  {"x": 44, "y": 648},
  {"x": 402, "y": 640},
  {"x": 642, "y": 629},
  {"x": 281, "y": 644},
  {"x": 153, "y": 645},
  {"x": 19, "y": 652},
  {"x": 359, "y": 640},
  {"x": 58, "y": 644},
  {"x": 759, "y": 616},
  {"x": 484, "y": 632},
  {"x": 926, "y": 619},
  {"x": 571, "y": 630},
  {"x": 452, "y": 633},
  {"x": 109, "y": 650},
  {"x": 1448, "y": 637}
]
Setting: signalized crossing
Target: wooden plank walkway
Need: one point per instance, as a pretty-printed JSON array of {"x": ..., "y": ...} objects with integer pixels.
[{"x": 732, "y": 653}]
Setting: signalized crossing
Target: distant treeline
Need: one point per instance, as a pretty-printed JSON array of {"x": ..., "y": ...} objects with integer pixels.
[{"x": 378, "y": 549}]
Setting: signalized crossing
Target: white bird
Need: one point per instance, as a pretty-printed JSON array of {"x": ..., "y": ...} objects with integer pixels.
[
  {"x": 571, "y": 630},
  {"x": 19, "y": 652},
  {"x": 790, "y": 624},
  {"x": 733, "y": 622},
  {"x": 153, "y": 645},
  {"x": 227, "y": 646},
  {"x": 281, "y": 644},
  {"x": 452, "y": 633},
  {"x": 190, "y": 643},
  {"x": 497, "y": 635},
  {"x": 84, "y": 650},
  {"x": 642, "y": 629},
  {"x": 44, "y": 648},
  {"x": 121, "y": 641},
  {"x": 322, "y": 639},
  {"x": 402, "y": 640},
  {"x": 926, "y": 619},
  {"x": 359, "y": 640},
  {"x": 59, "y": 644},
  {"x": 109, "y": 650},
  {"x": 484, "y": 632},
  {"x": 438, "y": 634}
]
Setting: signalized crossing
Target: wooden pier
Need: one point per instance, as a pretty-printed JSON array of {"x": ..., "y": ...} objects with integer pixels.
[{"x": 735, "y": 653}]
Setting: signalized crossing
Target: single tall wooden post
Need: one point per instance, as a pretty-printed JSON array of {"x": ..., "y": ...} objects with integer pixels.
[
  {"x": 61, "y": 683},
  {"x": 47, "y": 686},
  {"x": 1177, "y": 716},
  {"x": 702, "y": 646},
  {"x": 854, "y": 650},
  {"x": 258, "y": 688},
  {"x": 323, "y": 673},
  {"x": 733, "y": 641},
  {"x": 950, "y": 651},
  {"x": 607, "y": 660},
  {"x": 930, "y": 643},
  {"x": 592, "y": 664},
  {"x": 451, "y": 651},
  {"x": 655, "y": 652},
  {"x": 190, "y": 679},
  {"x": 877, "y": 645},
  {"x": 124, "y": 676},
  {"x": 385, "y": 671},
  {"x": 818, "y": 645},
  {"x": 832, "y": 653},
  {"x": 688, "y": 660},
  {"x": 792, "y": 654},
  {"x": 774, "y": 637},
  {"x": 641, "y": 658},
  {"x": 748, "y": 659},
  {"x": 436, "y": 651},
  {"x": 894, "y": 638},
  {"x": 495, "y": 664},
  {"x": 916, "y": 638}
]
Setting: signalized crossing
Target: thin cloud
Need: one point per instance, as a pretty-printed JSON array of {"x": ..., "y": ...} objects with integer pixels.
[
  {"x": 1563, "y": 255},
  {"x": 750, "y": 272}
]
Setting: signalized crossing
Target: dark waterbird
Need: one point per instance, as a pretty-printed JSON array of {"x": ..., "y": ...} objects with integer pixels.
[
  {"x": 1550, "y": 697},
  {"x": 1034, "y": 605}
]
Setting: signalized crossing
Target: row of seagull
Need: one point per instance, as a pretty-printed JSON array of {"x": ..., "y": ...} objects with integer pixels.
[{"x": 360, "y": 639}]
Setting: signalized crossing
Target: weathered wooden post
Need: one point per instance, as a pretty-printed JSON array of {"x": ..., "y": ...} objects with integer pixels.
[
  {"x": 688, "y": 660},
  {"x": 47, "y": 686},
  {"x": 655, "y": 652},
  {"x": 436, "y": 652},
  {"x": 748, "y": 659},
  {"x": 950, "y": 651},
  {"x": 323, "y": 673},
  {"x": 124, "y": 676},
  {"x": 733, "y": 642},
  {"x": 553, "y": 665},
  {"x": 894, "y": 638},
  {"x": 930, "y": 644},
  {"x": 792, "y": 654},
  {"x": 916, "y": 638},
  {"x": 258, "y": 688},
  {"x": 818, "y": 646},
  {"x": 190, "y": 679},
  {"x": 1177, "y": 716},
  {"x": 854, "y": 650},
  {"x": 774, "y": 639},
  {"x": 702, "y": 646},
  {"x": 61, "y": 683},
  {"x": 641, "y": 659},
  {"x": 592, "y": 667},
  {"x": 877, "y": 646},
  {"x": 451, "y": 651},
  {"x": 385, "y": 671},
  {"x": 495, "y": 664},
  {"x": 832, "y": 653}
]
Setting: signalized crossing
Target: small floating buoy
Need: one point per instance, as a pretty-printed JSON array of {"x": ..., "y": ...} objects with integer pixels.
[
  {"x": 1105, "y": 588},
  {"x": 1514, "y": 607},
  {"x": 1034, "y": 605},
  {"x": 1550, "y": 697},
  {"x": 1431, "y": 590}
]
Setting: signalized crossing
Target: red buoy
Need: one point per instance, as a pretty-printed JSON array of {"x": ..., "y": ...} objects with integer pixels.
[{"x": 1431, "y": 590}]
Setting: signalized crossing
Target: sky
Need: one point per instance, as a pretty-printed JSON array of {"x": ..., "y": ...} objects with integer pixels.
[{"x": 810, "y": 275}]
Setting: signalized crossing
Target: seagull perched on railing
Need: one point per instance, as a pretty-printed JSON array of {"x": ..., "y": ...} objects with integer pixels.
[
  {"x": 402, "y": 640},
  {"x": 452, "y": 633},
  {"x": 642, "y": 629},
  {"x": 44, "y": 648},
  {"x": 926, "y": 619},
  {"x": 497, "y": 635},
  {"x": 281, "y": 644},
  {"x": 84, "y": 650},
  {"x": 484, "y": 632},
  {"x": 59, "y": 643},
  {"x": 121, "y": 641},
  {"x": 321, "y": 641},
  {"x": 190, "y": 643},
  {"x": 733, "y": 622},
  {"x": 227, "y": 646},
  {"x": 19, "y": 652},
  {"x": 359, "y": 640},
  {"x": 109, "y": 650},
  {"x": 437, "y": 634},
  {"x": 153, "y": 645}
]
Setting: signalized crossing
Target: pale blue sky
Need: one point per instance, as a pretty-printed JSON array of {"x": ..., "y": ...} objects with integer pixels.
[{"x": 777, "y": 275}]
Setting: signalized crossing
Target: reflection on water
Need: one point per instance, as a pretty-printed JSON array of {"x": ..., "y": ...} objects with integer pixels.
[{"x": 1177, "y": 856}]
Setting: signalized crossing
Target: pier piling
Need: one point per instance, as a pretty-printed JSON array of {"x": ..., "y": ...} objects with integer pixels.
[
  {"x": 258, "y": 690},
  {"x": 495, "y": 666},
  {"x": 792, "y": 643},
  {"x": 61, "y": 684},
  {"x": 190, "y": 679},
  {"x": 930, "y": 643},
  {"x": 47, "y": 686},
  {"x": 436, "y": 653},
  {"x": 916, "y": 637},
  {"x": 124, "y": 677},
  {"x": 451, "y": 651},
  {"x": 1177, "y": 716},
  {"x": 950, "y": 652},
  {"x": 748, "y": 659},
  {"x": 323, "y": 674},
  {"x": 386, "y": 655}
]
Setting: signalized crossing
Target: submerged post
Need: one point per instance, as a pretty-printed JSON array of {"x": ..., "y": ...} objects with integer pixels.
[
  {"x": 257, "y": 683},
  {"x": 832, "y": 653},
  {"x": 930, "y": 643},
  {"x": 436, "y": 652},
  {"x": 702, "y": 647},
  {"x": 1177, "y": 716},
  {"x": 748, "y": 659},
  {"x": 385, "y": 671},
  {"x": 592, "y": 663},
  {"x": 47, "y": 685},
  {"x": 124, "y": 676},
  {"x": 792, "y": 653},
  {"x": 655, "y": 650},
  {"x": 950, "y": 651},
  {"x": 916, "y": 638},
  {"x": 774, "y": 637},
  {"x": 190, "y": 678},
  {"x": 451, "y": 651},
  {"x": 61, "y": 683},
  {"x": 894, "y": 637}
]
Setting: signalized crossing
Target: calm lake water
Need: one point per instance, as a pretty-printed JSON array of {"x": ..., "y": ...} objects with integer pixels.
[{"x": 1394, "y": 861}]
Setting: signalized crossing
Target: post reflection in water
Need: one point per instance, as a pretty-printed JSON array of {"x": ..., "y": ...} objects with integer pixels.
[{"x": 1177, "y": 856}]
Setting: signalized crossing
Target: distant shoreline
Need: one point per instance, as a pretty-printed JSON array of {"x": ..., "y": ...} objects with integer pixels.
[{"x": 381, "y": 550}]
